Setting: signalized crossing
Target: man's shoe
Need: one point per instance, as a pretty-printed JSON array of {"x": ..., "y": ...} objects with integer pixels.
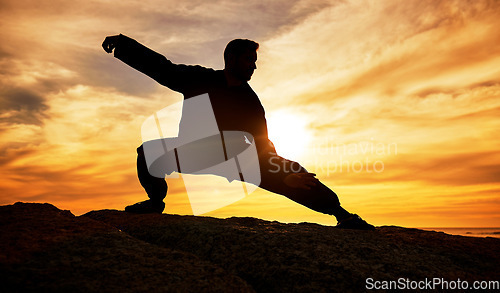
[
  {"x": 146, "y": 207},
  {"x": 354, "y": 222}
]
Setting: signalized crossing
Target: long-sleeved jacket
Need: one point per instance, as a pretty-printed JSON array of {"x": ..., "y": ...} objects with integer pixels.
[{"x": 235, "y": 107}]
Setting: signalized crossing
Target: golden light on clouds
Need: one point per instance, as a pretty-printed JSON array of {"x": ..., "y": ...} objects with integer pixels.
[{"x": 394, "y": 104}]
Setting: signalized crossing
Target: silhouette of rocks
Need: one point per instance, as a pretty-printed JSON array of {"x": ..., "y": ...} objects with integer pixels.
[{"x": 43, "y": 247}]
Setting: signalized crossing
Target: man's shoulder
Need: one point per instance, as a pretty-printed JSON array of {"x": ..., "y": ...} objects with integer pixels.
[
  {"x": 195, "y": 69},
  {"x": 211, "y": 75}
]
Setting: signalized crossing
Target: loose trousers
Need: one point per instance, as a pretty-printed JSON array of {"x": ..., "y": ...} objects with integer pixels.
[{"x": 319, "y": 198}]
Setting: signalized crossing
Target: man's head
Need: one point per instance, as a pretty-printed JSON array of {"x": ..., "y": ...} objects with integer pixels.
[{"x": 240, "y": 56}]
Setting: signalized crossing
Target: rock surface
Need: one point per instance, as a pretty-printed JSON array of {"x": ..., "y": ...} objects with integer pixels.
[{"x": 45, "y": 249}]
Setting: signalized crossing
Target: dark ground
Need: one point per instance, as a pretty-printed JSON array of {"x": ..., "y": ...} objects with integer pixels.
[{"x": 45, "y": 249}]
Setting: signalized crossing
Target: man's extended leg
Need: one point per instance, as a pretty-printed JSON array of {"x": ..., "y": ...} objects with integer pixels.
[
  {"x": 319, "y": 198},
  {"x": 155, "y": 187}
]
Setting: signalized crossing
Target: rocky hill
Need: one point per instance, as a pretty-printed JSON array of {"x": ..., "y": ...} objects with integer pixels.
[{"x": 46, "y": 249}]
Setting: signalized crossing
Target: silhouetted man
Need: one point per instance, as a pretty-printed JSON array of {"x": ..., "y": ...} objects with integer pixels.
[{"x": 236, "y": 107}]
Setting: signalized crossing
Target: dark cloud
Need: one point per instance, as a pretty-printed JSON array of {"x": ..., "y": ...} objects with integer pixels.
[
  {"x": 24, "y": 87},
  {"x": 22, "y": 106},
  {"x": 4, "y": 55},
  {"x": 15, "y": 151}
]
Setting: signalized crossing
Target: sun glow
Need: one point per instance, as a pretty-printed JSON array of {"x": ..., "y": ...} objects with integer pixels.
[{"x": 288, "y": 131}]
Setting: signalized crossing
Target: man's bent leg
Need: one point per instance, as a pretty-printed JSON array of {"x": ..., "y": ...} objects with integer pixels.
[{"x": 155, "y": 187}]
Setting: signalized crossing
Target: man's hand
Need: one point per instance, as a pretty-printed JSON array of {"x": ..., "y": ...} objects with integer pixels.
[
  {"x": 301, "y": 180},
  {"x": 110, "y": 43}
]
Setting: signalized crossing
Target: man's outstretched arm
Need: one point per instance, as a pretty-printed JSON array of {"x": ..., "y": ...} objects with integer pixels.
[{"x": 151, "y": 63}]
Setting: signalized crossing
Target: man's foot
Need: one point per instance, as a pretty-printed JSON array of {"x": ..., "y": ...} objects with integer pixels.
[
  {"x": 354, "y": 222},
  {"x": 146, "y": 207}
]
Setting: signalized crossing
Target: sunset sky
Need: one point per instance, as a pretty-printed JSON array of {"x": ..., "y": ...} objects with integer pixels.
[{"x": 395, "y": 105}]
